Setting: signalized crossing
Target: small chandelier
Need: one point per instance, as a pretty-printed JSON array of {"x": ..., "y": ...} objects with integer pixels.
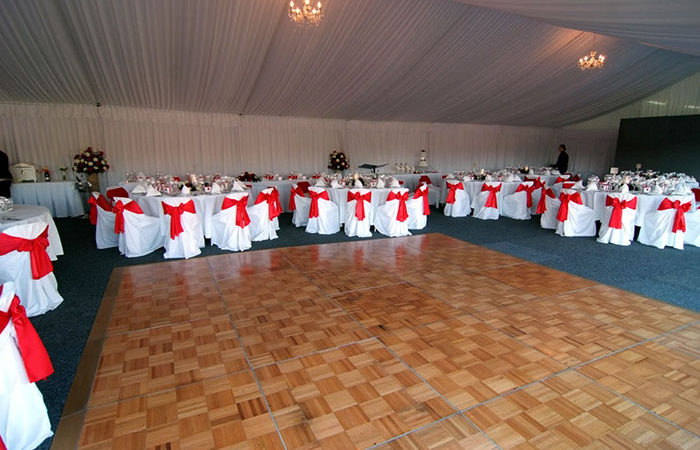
[
  {"x": 591, "y": 61},
  {"x": 306, "y": 14}
]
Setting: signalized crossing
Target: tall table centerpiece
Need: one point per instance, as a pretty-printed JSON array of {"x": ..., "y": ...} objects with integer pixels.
[{"x": 91, "y": 162}]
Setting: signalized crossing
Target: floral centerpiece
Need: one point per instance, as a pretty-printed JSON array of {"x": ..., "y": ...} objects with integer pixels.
[
  {"x": 248, "y": 176},
  {"x": 91, "y": 162},
  {"x": 338, "y": 161}
]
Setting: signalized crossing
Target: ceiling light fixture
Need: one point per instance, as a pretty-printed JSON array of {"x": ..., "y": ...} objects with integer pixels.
[
  {"x": 306, "y": 14},
  {"x": 591, "y": 61}
]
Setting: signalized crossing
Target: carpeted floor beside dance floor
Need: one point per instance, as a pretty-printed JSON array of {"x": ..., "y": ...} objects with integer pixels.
[{"x": 425, "y": 341}]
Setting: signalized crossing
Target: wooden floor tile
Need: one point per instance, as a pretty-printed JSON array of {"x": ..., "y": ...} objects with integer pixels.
[
  {"x": 283, "y": 285},
  {"x": 686, "y": 340},
  {"x": 383, "y": 309},
  {"x": 275, "y": 331},
  {"x": 570, "y": 411},
  {"x": 658, "y": 378},
  {"x": 339, "y": 279},
  {"x": 356, "y": 396},
  {"x": 539, "y": 280},
  {"x": 453, "y": 433},
  {"x": 219, "y": 413},
  {"x": 234, "y": 265},
  {"x": 467, "y": 361},
  {"x": 571, "y": 337}
]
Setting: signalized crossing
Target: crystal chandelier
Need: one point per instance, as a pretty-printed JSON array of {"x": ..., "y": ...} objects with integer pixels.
[
  {"x": 591, "y": 61},
  {"x": 306, "y": 14}
]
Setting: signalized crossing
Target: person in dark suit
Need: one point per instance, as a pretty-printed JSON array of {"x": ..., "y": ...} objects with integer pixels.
[
  {"x": 563, "y": 160},
  {"x": 5, "y": 175}
]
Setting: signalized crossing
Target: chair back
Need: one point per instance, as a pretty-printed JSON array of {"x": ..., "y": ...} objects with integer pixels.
[{"x": 112, "y": 193}]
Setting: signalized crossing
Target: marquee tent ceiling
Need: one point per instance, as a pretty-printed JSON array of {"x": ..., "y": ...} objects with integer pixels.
[{"x": 410, "y": 60}]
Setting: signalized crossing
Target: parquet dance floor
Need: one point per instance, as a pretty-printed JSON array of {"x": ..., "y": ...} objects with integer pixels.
[{"x": 418, "y": 342}]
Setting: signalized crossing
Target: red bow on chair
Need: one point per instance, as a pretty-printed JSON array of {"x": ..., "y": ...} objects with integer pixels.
[
  {"x": 529, "y": 190},
  {"x": 360, "y": 205},
  {"x": 542, "y": 205},
  {"x": 492, "y": 200},
  {"x": 242, "y": 219},
  {"x": 100, "y": 201},
  {"x": 39, "y": 259},
  {"x": 36, "y": 359},
  {"x": 175, "y": 213},
  {"x": 272, "y": 199},
  {"x": 292, "y": 203},
  {"x": 452, "y": 189},
  {"x": 563, "y": 213},
  {"x": 402, "y": 214},
  {"x": 618, "y": 205},
  {"x": 119, "y": 214},
  {"x": 561, "y": 180},
  {"x": 313, "y": 209},
  {"x": 425, "y": 179},
  {"x": 426, "y": 203},
  {"x": 681, "y": 209}
]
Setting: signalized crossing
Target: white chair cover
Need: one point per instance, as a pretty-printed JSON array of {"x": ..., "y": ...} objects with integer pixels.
[
  {"x": 548, "y": 219},
  {"x": 462, "y": 206},
  {"x": 692, "y": 231},
  {"x": 481, "y": 211},
  {"x": 385, "y": 219},
  {"x": 188, "y": 243},
  {"x": 619, "y": 236},
  {"x": 105, "y": 237},
  {"x": 142, "y": 234},
  {"x": 300, "y": 216},
  {"x": 515, "y": 205},
  {"x": 417, "y": 213},
  {"x": 580, "y": 220},
  {"x": 24, "y": 421},
  {"x": 657, "y": 229},
  {"x": 353, "y": 225},
  {"x": 262, "y": 227},
  {"x": 226, "y": 233},
  {"x": 536, "y": 195},
  {"x": 328, "y": 220},
  {"x": 37, "y": 296}
]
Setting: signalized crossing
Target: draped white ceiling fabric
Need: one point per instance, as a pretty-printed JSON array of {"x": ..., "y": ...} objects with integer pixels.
[{"x": 500, "y": 62}]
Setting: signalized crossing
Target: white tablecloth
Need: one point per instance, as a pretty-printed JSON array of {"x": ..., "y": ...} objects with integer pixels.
[
  {"x": 645, "y": 203},
  {"x": 21, "y": 214},
  {"x": 410, "y": 180},
  {"x": 60, "y": 197}
]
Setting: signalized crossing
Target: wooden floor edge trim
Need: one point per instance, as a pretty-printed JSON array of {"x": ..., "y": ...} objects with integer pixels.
[{"x": 71, "y": 422}]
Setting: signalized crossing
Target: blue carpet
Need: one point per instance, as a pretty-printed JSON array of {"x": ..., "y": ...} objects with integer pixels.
[{"x": 83, "y": 272}]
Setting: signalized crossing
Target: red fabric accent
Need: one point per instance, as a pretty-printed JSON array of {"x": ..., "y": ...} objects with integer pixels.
[
  {"x": 618, "y": 205},
  {"x": 175, "y": 213},
  {"x": 242, "y": 218},
  {"x": 425, "y": 179},
  {"x": 542, "y": 205},
  {"x": 401, "y": 182},
  {"x": 567, "y": 185},
  {"x": 451, "y": 193},
  {"x": 39, "y": 259},
  {"x": 681, "y": 209},
  {"x": 272, "y": 199},
  {"x": 492, "y": 200},
  {"x": 696, "y": 191},
  {"x": 2, "y": 444},
  {"x": 360, "y": 205},
  {"x": 575, "y": 178},
  {"x": 426, "y": 203},
  {"x": 563, "y": 213},
  {"x": 117, "y": 192},
  {"x": 561, "y": 180},
  {"x": 292, "y": 203},
  {"x": 529, "y": 190},
  {"x": 100, "y": 201},
  {"x": 119, "y": 214},
  {"x": 304, "y": 185},
  {"x": 402, "y": 213},
  {"x": 36, "y": 360},
  {"x": 313, "y": 209}
]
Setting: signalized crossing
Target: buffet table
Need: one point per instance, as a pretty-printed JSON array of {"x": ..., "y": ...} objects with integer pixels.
[
  {"x": 60, "y": 197},
  {"x": 23, "y": 214}
]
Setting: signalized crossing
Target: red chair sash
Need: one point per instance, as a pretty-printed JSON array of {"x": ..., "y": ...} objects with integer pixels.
[
  {"x": 2, "y": 444},
  {"x": 315, "y": 196},
  {"x": 492, "y": 200},
  {"x": 175, "y": 213},
  {"x": 292, "y": 203},
  {"x": 100, "y": 201},
  {"x": 567, "y": 185},
  {"x": 452, "y": 189},
  {"x": 242, "y": 218},
  {"x": 563, "y": 213},
  {"x": 542, "y": 205},
  {"x": 34, "y": 356},
  {"x": 426, "y": 203},
  {"x": 39, "y": 259},
  {"x": 304, "y": 185},
  {"x": 529, "y": 190},
  {"x": 681, "y": 209},
  {"x": 561, "y": 180},
  {"x": 272, "y": 199},
  {"x": 118, "y": 209},
  {"x": 402, "y": 213},
  {"x": 617, "y": 207},
  {"x": 425, "y": 179},
  {"x": 360, "y": 203},
  {"x": 116, "y": 192}
]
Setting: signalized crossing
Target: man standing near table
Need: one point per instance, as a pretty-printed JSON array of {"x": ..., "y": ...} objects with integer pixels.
[
  {"x": 563, "y": 160},
  {"x": 5, "y": 175}
]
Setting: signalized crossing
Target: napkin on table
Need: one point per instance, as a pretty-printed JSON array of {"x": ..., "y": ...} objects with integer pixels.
[
  {"x": 321, "y": 183},
  {"x": 238, "y": 186},
  {"x": 380, "y": 183},
  {"x": 358, "y": 184},
  {"x": 185, "y": 190},
  {"x": 395, "y": 183},
  {"x": 215, "y": 188},
  {"x": 140, "y": 189},
  {"x": 152, "y": 192},
  {"x": 334, "y": 184}
]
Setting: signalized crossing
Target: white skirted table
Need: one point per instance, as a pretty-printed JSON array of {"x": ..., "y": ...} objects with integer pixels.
[
  {"x": 60, "y": 197},
  {"x": 22, "y": 214},
  {"x": 339, "y": 196}
]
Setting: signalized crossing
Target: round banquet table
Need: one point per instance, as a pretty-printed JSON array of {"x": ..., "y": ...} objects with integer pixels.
[
  {"x": 60, "y": 197},
  {"x": 645, "y": 203},
  {"x": 23, "y": 214}
]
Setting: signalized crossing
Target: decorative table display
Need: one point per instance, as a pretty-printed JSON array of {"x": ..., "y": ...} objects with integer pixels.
[{"x": 91, "y": 163}]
